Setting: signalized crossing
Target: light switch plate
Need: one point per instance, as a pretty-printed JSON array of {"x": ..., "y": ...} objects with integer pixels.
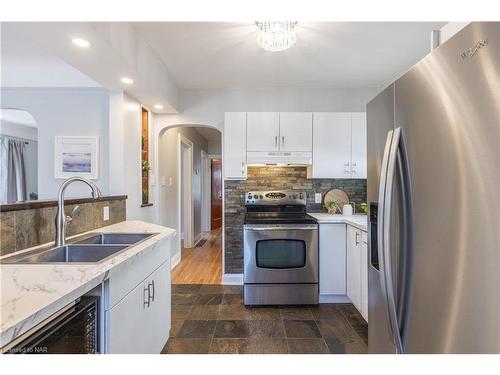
[
  {"x": 317, "y": 197},
  {"x": 105, "y": 213}
]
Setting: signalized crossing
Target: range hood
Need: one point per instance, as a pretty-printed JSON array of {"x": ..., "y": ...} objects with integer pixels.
[{"x": 279, "y": 158}]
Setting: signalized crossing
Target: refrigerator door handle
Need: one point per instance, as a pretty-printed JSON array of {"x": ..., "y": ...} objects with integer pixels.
[
  {"x": 387, "y": 236},
  {"x": 407, "y": 232},
  {"x": 398, "y": 312},
  {"x": 381, "y": 221}
]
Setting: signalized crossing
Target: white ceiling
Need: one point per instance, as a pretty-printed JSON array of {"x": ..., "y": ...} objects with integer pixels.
[
  {"x": 209, "y": 134},
  {"x": 25, "y": 65},
  {"x": 329, "y": 54}
]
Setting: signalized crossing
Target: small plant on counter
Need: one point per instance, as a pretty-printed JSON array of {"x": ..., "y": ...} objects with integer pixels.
[
  {"x": 364, "y": 207},
  {"x": 333, "y": 206}
]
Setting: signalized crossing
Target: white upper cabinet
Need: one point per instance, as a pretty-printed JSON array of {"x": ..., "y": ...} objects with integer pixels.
[
  {"x": 263, "y": 131},
  {"x": 331, "y": 145},
  {"x": 358, "y": 141},
  {"x": 235, "y": 146},
  {"x": 339, "y": 145},
  {"x": 296, "y": 131}
]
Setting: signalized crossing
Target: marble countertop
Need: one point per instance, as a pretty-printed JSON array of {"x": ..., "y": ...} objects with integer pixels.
[
  {"x": 359, "y": 221},
  {"x": 30, "y": 293}
]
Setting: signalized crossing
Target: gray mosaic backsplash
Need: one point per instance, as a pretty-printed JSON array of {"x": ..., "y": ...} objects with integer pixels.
[
  {"x": 23, "y": 229},
  {"x": 274, "y": 178}
]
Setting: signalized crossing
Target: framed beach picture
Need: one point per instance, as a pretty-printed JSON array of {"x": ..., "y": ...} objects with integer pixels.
[{"x": 76, "y": 156}]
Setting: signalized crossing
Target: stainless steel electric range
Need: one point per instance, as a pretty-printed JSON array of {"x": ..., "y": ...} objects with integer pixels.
[{"x": 280, "y": 249}]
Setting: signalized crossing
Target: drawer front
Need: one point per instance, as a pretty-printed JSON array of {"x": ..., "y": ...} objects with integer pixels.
[
  {"x": 134, "y": 271},
  {"x": 140, "y": 322}
]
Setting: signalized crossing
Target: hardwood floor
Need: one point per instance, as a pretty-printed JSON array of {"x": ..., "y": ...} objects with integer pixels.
[{"x": 201, "y": 264}]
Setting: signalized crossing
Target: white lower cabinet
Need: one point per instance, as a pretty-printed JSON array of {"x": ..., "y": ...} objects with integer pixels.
[
  {"x": 357, "y": 269},
  {"x": 354, "y": 266},
  {"x": 364, "y": 275},
  {"x": 140, "y": 322},
  {"x": 332, "y": 259}
]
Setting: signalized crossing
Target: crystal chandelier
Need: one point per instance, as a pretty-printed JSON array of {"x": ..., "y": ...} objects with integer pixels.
[{"x": 276, "y": 36}]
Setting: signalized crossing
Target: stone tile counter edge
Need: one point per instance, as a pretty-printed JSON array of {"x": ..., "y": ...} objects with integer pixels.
[{"x": 30, "y": 293}]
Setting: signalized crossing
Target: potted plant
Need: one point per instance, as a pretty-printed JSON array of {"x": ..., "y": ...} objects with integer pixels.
[{"x": 333, "y": 206}]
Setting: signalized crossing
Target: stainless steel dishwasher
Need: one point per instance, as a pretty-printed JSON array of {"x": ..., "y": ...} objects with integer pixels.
[{"x": 74, "y": 330}]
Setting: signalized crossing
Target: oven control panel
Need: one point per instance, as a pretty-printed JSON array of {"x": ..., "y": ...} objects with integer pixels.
[{"x": 272, "y": 198}]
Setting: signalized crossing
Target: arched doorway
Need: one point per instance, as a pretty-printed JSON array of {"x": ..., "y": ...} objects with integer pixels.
[
  {"x": 185, "y": 159},
  {"x": 19, "y": 156}
]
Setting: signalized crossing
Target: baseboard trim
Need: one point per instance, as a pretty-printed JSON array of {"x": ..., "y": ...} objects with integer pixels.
[
  {"x": 333, "y": 298},
  {"x": 175, "y": 260},
  {"x": 232, "y": 279}
]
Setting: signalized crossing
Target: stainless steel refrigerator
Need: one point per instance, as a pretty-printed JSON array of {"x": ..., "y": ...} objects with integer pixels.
[{"x": 434, "y": 193}]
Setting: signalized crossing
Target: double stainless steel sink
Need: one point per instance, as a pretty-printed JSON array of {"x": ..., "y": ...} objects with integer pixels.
[{"x": 90, "y": 249}]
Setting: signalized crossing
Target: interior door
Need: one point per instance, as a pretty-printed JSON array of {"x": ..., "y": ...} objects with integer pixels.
[
  {"x": 448, "y": 107},
  {"x": 263, "y": 130},
  {"x": 296, "y": 131},
  {"x": 216, "y": 194}
]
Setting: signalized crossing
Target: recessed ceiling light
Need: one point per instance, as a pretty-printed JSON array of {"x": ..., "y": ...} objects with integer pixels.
[
  {"x": 127, "y": 80},
  {"x": 158, "y": 106},
  {"x": 81, "y": 42}
]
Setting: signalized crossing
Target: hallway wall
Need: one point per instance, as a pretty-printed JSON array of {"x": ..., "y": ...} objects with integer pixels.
[{"x": 168, "y": 156}]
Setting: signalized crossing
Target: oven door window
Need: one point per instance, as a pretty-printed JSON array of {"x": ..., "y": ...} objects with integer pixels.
[{"x": 280, "y": 254}]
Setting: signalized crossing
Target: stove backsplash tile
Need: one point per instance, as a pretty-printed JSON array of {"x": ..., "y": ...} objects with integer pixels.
[{"x": 274, "y": 178}]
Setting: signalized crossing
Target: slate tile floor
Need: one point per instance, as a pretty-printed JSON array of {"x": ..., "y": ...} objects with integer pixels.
[{"x": 212, "y": 319}]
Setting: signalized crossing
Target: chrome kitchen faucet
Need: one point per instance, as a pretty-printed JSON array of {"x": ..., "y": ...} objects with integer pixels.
[{"x": 61, "y": 216}]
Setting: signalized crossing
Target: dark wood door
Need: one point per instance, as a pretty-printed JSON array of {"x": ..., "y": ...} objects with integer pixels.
[{"x": 216, "y": 198}]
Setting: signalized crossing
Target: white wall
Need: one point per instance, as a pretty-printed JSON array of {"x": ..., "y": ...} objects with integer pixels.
[
  {"x": 168, "y": 154},
  {"x": 64, "y": 111},
  {"x": 132, "y": 125},
  {"x": 208, "y": 106},
  {"x": 18, "y": 131},
  {"x": 215, "y": 147},
  {"x": 450, "y": 29}
]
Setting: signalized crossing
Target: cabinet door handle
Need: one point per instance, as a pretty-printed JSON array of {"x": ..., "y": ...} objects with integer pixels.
[
  {"x": 275, "y": 141},
  {"x": 152, "y": 295},
  {"x": 282, "y": 139},
  {"x": 146, "y": 297},
  {"x": 357, "y": 238}
]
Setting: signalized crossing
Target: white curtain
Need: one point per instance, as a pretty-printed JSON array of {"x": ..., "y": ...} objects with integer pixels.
[{"x": 13, "y": 175}]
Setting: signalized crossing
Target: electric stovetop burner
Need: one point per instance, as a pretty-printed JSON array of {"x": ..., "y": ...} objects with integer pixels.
[{"x": 277, "y": 207}]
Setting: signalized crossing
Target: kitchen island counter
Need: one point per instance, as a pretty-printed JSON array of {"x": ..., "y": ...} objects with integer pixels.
[{"x": 31, "y": 293}]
